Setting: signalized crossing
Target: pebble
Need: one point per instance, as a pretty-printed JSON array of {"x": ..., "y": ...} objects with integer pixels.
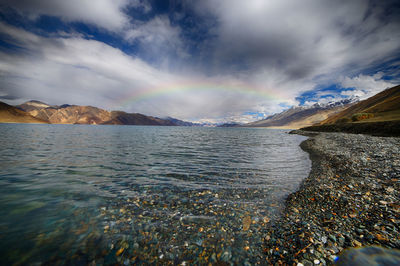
[{"x": 349, "y": 200}]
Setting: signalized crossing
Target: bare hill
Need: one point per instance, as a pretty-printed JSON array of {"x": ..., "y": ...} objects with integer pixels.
[
  {"x": 32, "y": 105},
  {"x": 75, "y": 114},
  {"x": 11, "y": 114},
  {"x": 384, "y": 106},
  {"x": 298, "y": 117}
]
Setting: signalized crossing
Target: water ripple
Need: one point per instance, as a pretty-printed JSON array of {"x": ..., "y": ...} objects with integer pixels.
[{"x": 61, "y": 185}]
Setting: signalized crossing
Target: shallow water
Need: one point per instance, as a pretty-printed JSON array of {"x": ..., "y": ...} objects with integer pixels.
[{"x": 135, "y": 194}]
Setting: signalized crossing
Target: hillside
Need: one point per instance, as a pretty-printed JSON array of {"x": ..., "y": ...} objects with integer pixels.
[
  {"x": 297, "y": 117},
  {"x": 122, "y": 118},
  {"x": 181, "y": 123},
  {"x": 32, "y": 105},
  {"x": 11, "y": 114},
  {"x": 75, "y": 114},
  {"x": 72, "y": 114},
  {"x": 384, "y": 106},
  {"x": 377, "y": 115}
]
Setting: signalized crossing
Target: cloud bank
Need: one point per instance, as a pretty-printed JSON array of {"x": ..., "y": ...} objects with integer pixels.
[
  {"x": 107, "y": 14},
  {"x": 209, "y": 60}
]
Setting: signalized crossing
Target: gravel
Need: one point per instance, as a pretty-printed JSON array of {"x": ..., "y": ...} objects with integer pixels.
[{"x": 350, "y": 199}]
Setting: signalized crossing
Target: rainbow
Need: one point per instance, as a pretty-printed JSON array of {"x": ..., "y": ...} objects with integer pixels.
[{"x": 176, "y": 88}]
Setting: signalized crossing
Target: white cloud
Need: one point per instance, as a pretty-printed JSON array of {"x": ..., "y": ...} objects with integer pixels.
[
  {"x": 365, "y": 86},
  {"x": 301, "y": 43},
  {"x": 158, "y": 38},
  {"x": 274, "y": 50},
  {"x": 108, "y": 14},
  {"x": 87, "y": 72}
]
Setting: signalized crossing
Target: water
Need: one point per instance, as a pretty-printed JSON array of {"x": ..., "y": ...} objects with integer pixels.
[{"x": 73, "y": 194}]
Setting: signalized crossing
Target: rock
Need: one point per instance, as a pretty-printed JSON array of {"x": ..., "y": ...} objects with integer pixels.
[
  {"x": 246, "y": 223},
  {"x": 371, "y": 255},
  {"x": 226, "y": 255},
  {"x": 390, "y": 189},
  {"x": 307, "y": 263},
  {"x": 119, "y": 251}
]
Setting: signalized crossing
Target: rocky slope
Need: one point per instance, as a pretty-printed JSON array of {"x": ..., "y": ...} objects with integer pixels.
[
  {"x": 298, "y": 117},
  {"x": 72, "y": 115},
  {"x": 32, "y": 105},
  {"x": 122, "y": 118},
  {"x": 378, "y": 115},
  {"x": 383, "y": 128},
  {"x": 10, "y": 114},
  {"x": 384, "y": 106},
  {"x": 75, "y": 114}
]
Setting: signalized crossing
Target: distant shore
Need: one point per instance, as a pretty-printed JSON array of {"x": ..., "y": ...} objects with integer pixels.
[
  {"x": 349, "y": 199},
  {"x": 384, "y": 128}
]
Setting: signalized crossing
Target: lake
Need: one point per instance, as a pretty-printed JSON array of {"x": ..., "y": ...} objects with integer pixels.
[{"x": 72, "y": 194}]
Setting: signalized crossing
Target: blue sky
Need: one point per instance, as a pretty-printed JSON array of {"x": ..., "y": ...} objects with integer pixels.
[{"x": 212, "y": 60}]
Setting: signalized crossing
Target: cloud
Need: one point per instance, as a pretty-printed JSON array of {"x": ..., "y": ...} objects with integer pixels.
[
  {"x": 75, "y": 70},
  {"x": 275, "y": 51},
  {"x": 107, "y": 14},
  {"x": 302, "y": 40},
  {"x": 365, "y": 86},
  {"x": 159, "y": 40}
]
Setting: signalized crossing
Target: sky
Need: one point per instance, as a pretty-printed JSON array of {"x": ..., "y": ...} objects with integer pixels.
[{"x": 201, "y": 61}]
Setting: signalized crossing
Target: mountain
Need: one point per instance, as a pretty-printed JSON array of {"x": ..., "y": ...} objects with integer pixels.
[
  {"x": 230, "y": 124},
  {"x": 32, "y": 105},
  {"x": 11, "y": 114},
  {"x": 122, "y": 118},
  {"x": 181, "y": 123},
  {"x": 384, "y": 106},
  {"x": 297, "y": 117},
  {"x": 75, "y": 114},
  {"x": 378, "y": 115}
]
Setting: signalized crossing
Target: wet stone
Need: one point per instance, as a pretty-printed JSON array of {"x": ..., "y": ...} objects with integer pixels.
[
  {"x": 342, "y": 203},
  {"x": 307, "y": 263}
]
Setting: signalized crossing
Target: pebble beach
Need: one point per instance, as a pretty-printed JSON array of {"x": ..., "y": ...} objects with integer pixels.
[{"x": 350, "y": 199}]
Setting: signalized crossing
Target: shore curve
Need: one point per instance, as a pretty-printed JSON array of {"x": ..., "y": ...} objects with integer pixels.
[{"x": 350, "y": 199}]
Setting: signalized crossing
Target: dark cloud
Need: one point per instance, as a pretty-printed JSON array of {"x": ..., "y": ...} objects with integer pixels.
[
  {"x": 107, "y": 14},
  {"x": 304, "y": 38},
  {"x": 9, "y": 97}
]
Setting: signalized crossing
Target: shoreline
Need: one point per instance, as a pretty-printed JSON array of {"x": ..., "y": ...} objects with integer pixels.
[
  {"x": 382, "y": 128},
  {"x": 349, "y": 199}
]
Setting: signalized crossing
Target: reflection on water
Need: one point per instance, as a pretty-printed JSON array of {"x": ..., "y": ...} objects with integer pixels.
[{"x": 132, "y": 194}]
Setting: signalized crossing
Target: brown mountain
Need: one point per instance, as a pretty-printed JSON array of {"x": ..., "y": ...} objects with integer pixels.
[
  {"x": 298, "y": 117},
  {"x": 32, "y": 105},
  {"x": 122, "y": 118},
  {"x": 11, "y": 114},
  {"x": 384, "y": 106},
  {"x": 72, "y": 114},
  {"x": 75, "y": 114}
]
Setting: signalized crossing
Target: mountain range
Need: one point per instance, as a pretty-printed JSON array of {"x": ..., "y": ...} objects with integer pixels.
[
  {"x": 11, "y": 114},
  {"x": 302, "y": 116},
  {"x": 378, "y": 115},
  {"x": 384, "y": 106},
  {"x": 39, "y": 112}
]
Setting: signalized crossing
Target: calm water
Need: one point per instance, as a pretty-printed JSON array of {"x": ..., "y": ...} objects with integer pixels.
[{"x": 73, "y": 194}]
